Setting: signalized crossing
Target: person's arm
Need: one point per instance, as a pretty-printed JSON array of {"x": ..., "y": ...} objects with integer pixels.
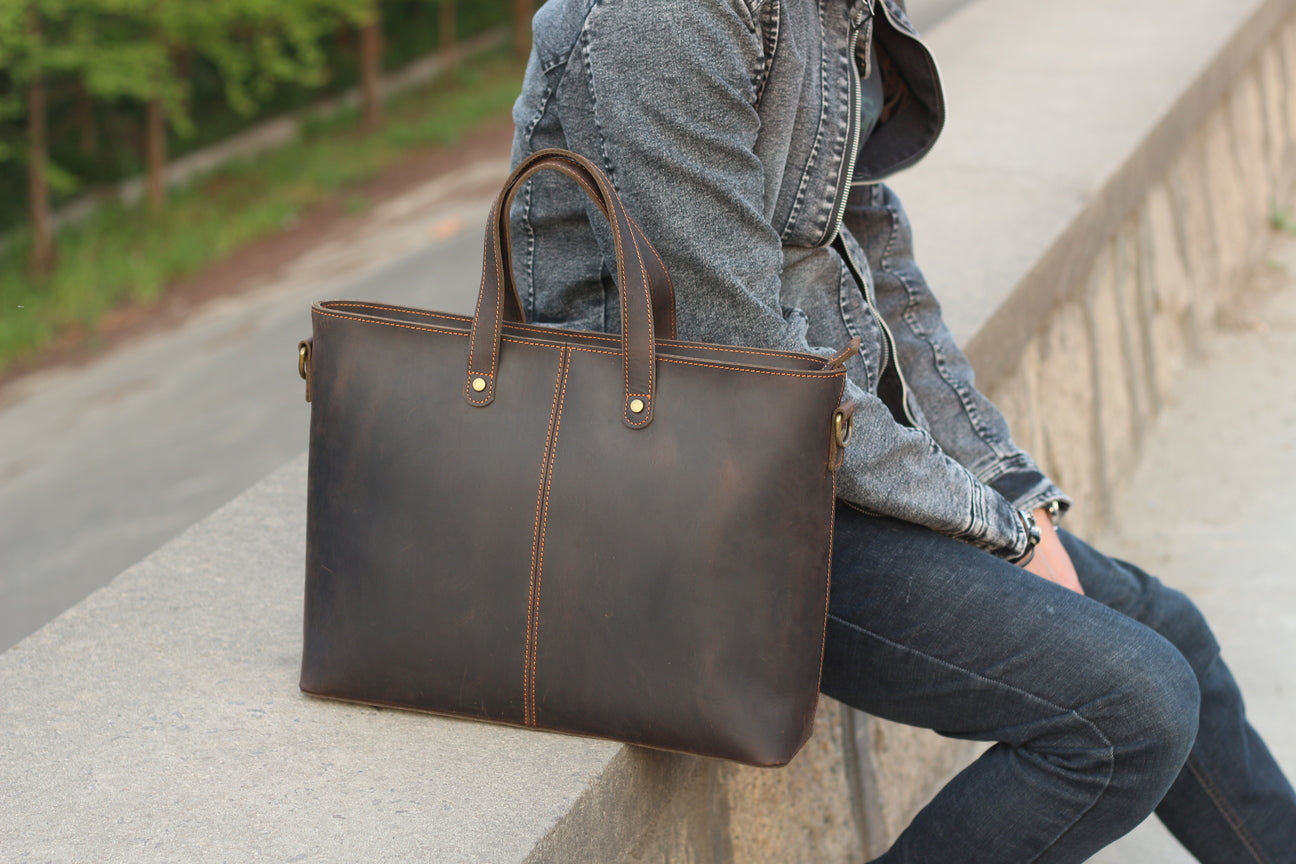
[
  {"x": 672, "y": 92},
  {"x": 967, "y": 425}
]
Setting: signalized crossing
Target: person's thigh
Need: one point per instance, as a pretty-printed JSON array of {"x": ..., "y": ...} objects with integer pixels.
[
  {"x": 1232, "y": 801},
  {"x": 929, "y": 631},
  {"x": 1129, "y": 590}
]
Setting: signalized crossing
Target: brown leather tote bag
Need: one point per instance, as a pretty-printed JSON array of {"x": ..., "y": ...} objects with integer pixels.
[{"x": 620, "y": 536}]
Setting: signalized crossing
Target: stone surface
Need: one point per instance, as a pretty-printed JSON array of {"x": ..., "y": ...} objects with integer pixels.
[{"x": 160, "y": 720}]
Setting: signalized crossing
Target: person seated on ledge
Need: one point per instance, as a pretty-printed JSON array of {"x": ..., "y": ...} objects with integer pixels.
[{"x": 750, "y": 139}]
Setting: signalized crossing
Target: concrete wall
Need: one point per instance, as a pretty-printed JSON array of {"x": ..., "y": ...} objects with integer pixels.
[
  {"x": 1090, "y": 378},
  {"x": 1103, "y": 190}
]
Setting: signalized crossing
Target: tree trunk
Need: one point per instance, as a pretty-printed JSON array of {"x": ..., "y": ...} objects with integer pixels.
[
  {"x": 522, "y": 12},
  {"x": 85, "y": 119},
  {"x": 155, "y": 156},
  {"x": 371, "y": 70},
  {"x": 447, "y": 38},
  {"x": 42, "y": 253}
]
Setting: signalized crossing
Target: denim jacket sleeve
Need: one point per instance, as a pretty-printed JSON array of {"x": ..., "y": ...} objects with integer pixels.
[
  {"x": 670, "y": 112},
  {"x": 963, "y": 421}
]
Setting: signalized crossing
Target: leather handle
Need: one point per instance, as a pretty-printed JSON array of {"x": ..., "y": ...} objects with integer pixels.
[
  {"x": 659, "y": 282},
  {"x": 640, "y": 276}
]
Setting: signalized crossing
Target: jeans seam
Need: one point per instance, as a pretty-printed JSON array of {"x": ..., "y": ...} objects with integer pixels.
[
  {"x": 1230, "y": 817},
  {"x": 1110, "y": 755}
]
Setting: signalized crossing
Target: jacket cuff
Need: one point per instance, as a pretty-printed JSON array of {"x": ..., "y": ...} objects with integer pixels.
[
  {"x": 1029, "y": 489},
  {"x": 1005, "y": 536}
]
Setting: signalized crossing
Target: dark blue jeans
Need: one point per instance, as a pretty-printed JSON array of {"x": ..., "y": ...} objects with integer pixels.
[{"x": 1103, "y": 707}]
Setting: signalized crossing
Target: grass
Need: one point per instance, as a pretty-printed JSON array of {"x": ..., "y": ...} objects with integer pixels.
[
  {"x": 129, "y": 254},
  {"x": 1280, "y": 219}
]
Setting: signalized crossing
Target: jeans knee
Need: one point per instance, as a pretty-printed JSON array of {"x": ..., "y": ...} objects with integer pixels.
[
  {"x": 1161, "y": 715},
  {"x": 1179, "y": 620}
]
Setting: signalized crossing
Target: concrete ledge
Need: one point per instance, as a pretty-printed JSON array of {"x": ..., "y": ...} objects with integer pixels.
[
  {"x": 1101, "y": 192},
  {"x": 160, "y": 720}
]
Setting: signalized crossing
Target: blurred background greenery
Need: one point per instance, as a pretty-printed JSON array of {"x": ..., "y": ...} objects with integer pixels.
[{"x": 96, "y": 91}]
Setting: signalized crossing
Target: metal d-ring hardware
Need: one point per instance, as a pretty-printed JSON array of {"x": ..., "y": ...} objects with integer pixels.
[
  {"x": 304, "y": 364},
  {"x": 843, "y": 427}
]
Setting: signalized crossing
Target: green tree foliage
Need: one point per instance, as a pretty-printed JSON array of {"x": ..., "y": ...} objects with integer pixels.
[
  {"x": 143, "y": 50},
  {"x": 124, "y": 81},
  {"x": 140, "y": 49}
]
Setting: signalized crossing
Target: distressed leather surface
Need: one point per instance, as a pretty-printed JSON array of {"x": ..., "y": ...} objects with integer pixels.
[{"x": 540, "y": 560}]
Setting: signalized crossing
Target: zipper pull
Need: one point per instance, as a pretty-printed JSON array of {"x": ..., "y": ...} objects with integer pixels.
[{"x": 859, "y": 12}]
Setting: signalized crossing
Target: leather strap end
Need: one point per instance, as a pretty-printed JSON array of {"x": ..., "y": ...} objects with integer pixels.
[
  {"x": 838, "y": 360},
  {"x": 479, "y": 389},
  {"x": 640, "y": 418}
]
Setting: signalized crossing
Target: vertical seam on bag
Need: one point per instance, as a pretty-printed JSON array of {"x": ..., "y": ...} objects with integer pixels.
[
  {"x": 538, "y": 539},
  {"x": 539, "y": 569},
  {"x": 544, "y": 525}
]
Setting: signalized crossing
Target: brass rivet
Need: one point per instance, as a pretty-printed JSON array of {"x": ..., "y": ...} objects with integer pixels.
[
  {"x": 636, "y": 406},
  {"x": 479, "y": 384}
]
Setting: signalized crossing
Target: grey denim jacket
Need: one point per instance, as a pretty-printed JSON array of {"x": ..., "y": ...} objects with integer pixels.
[{"x": 731, "y": 129}]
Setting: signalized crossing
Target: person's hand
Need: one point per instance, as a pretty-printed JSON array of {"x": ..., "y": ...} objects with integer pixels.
[{"x": 1051, "y": 560}]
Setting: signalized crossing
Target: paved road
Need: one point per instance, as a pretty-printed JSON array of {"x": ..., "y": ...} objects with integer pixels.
[{"x": 100, "y": 465}]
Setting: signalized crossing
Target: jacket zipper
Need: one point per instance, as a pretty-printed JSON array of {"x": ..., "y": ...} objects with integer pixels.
[
  {"x": 847, "y": 173},
  {"x": 843, "y": 193},
  {"x": 889, "y": 354},
  {"x": 886, "y": 330}
]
